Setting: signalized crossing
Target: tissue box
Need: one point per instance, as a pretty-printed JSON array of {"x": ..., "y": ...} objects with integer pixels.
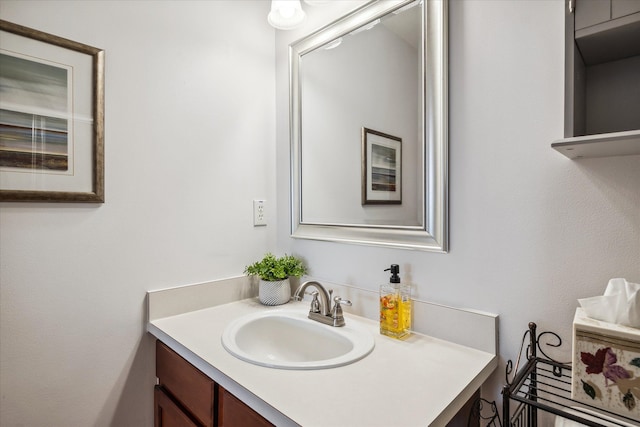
[{"x": 606, "y": 365}]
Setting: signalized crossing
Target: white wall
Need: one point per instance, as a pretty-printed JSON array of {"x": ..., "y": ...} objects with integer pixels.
[
  {"x": 530, "y": 230},
  {"x": 189, "y": 142}
]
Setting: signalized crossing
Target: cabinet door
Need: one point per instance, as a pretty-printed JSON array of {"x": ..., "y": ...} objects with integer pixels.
[
  {"x": 592, "y": 12},
  {"x": 189, "y": 386},
  {"x": 233, "y": 413},
  {"x": 620, "y": 8},
  {"x": 167, "y": 413}
]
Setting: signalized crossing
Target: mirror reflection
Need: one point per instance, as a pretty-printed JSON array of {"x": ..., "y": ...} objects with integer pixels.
[{"x": 360, "y": 93}]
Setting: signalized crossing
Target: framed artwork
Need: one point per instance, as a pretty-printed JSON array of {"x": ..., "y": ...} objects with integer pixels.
[
  {"x": 381, "y": 168},
  {"x": 51, "y": 118}
]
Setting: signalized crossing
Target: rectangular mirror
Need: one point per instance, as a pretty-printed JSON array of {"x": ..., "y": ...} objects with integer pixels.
[{"x": 369, "y": 127}]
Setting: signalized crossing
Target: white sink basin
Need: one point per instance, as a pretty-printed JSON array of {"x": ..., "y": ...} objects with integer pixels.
[{"x": 287, "y": 339}]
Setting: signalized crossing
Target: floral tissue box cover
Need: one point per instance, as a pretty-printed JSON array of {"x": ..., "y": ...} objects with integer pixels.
[{"x": 606, "y": 366}]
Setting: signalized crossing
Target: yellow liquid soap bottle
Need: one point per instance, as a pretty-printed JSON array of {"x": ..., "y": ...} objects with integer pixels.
[{"x": 395, "y": 306}]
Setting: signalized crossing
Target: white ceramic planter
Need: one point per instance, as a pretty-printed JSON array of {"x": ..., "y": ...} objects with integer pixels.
[{"x": 274, "y": 293}]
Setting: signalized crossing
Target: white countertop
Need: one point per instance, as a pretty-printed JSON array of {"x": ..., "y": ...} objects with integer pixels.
[{"x": 421, "y": 381}]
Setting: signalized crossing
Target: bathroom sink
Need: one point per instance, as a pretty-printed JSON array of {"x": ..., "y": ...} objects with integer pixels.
[{"x": 287, "y": 339}]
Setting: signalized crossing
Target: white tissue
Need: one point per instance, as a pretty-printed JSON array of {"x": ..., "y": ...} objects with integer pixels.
[
  {"x": 589, "y": 415},
  {"x": 620, "y": 304}
]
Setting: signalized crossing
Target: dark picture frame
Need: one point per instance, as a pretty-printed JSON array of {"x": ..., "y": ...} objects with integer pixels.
[
  {"x": 381, "y": 168},
  {"x": 51, "y": 118}
]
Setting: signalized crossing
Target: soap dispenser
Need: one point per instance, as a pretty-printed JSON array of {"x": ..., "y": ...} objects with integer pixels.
[{"x": 395, "y": 306}]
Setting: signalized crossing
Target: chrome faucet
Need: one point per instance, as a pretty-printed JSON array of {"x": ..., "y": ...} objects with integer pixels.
[{"x": 321, "y": 310}]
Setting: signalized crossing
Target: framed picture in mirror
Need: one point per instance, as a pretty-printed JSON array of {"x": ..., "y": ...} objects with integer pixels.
[{"x": 381, "y": 168}]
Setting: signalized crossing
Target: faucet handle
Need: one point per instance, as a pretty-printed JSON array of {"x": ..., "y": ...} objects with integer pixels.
[
  {"x": 339, "y": 301},
  {"x": 336, "y": 313},
  {"x": 337, "y": 308}
]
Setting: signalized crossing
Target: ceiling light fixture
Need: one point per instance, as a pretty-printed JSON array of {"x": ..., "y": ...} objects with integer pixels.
[
  {"x": 333, "y": 44},
  {"x": 286, "y": 14},
  {"x": 367, "y": 27}
]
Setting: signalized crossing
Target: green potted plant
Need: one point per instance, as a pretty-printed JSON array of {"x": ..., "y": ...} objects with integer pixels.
[{"x": 274, "y": 273}]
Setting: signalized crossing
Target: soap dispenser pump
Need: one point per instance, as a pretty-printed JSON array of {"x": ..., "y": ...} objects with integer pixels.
[
  {"x": 395, "y": 306},
  {"x": 395, "y": 271}
]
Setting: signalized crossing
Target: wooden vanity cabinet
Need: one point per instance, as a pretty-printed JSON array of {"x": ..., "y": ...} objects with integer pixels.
[
  {"x": 186, "y": 397},
  {"x": 168, "y": 413},
  {"x": 184, "y": 385},
  {"x": 232, "y": 412}
]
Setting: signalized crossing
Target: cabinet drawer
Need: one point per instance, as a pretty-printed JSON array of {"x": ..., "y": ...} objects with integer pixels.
[{"x": 193, "y": 389}]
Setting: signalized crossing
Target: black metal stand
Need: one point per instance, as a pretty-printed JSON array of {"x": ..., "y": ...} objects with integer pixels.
[
  {"x": 484, "y": 411},
  {"x": 545, "y": 384}
]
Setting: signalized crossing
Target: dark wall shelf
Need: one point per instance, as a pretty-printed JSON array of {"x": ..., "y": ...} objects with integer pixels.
[
  {"x": 603, "y": 145},
  {"x": 602, "y": 79}
]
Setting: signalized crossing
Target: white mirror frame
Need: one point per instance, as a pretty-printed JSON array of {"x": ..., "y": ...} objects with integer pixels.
[{"x": 433, "y": 235}]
